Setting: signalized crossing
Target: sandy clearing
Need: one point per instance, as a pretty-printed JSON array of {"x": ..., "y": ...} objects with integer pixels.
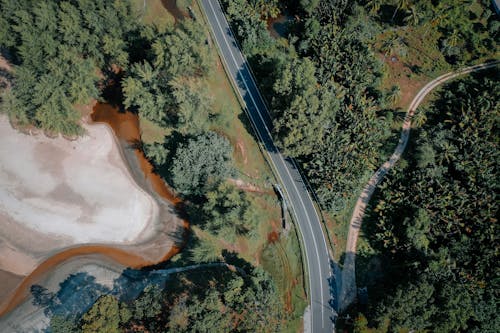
[
  {"x": 76, "y": 189},
  {"x": 23, "y": 247}
]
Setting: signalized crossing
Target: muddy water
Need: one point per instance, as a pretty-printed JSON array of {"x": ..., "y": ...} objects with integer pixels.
[{"x": 126, "y": 128}]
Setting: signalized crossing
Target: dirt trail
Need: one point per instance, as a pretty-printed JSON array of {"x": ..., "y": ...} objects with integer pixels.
[{"x": 348, "y": 281}]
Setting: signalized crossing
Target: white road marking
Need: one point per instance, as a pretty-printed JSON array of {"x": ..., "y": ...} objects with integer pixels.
[{"x": 280, "y": 158}]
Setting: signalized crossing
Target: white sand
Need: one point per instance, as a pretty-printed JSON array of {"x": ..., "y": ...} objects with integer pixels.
[{"x": 78, "y": 189}]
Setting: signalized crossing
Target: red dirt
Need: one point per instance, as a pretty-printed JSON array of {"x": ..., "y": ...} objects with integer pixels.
[
  {"x": 273, "y": 237},
  {"x": 248, "y": 187},
  {"x": 126, "y": 127},
  {"x": 400, "y": 74},
  {"x": 171, "y": 7},
  {"x": 241, "y": 149}
]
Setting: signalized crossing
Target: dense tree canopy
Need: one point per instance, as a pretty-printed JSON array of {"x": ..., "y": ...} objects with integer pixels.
[
  {"x": 324, "y": 98},
  {"x": 201, "y": 163},
  {"x": 329, "y": 109},
  {"x": 437, "y": 214},
  {"x": 56, "y": 48},
  {"x": 224, "y": 301},
  {"x": 228, "y": 212}
]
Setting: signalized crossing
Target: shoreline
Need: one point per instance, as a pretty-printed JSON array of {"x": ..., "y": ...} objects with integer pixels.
[{"x": 155, "y": 243}]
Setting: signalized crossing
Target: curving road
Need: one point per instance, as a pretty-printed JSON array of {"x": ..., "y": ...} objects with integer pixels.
[
  {"x": 348, "y": 289},
  {"x": 322, "y": 316}
]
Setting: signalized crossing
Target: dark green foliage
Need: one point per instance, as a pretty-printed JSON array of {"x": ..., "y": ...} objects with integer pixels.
[
  {"x": 156, "y": 152},
  {"x": 227, "y": 302},
  {"x": 149, "y": 304},
  {"x": 184, "y": 52},
  {"x": 249, "y": 25},
  {"x": 203, "y": 251},
  {"x": 437, "y": 218},
  {"x": 325, "y": 102},
  {"x": 201, "y": 164},
  {"x": 194, "y": 104},
  {"x": 166, "y": 88},
  {"x": 60, "y": 324},
  {"x": 56, "y": 48},
  {"x": 106, "y": 315},
  {"x": 144, "y": 90},
  {"x": 300, "y": 109},
  {"x": 227, "y": 212}
]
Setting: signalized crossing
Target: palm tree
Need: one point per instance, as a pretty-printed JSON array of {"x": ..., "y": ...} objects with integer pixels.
[
  {"x": 389, "y": 44},
  {"x": 414, "y": 16},
  {"x": 394, "y": 94},
  {"x": 419, "y": 118},
  {"x": 401, "y": 4},
  {"x": 454, "y": 38},
  {"x": 374, "y": 6}
]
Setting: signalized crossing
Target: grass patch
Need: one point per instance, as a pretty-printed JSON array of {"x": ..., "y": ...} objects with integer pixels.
[
  {"x": 411, "y": 58},
  {"x": 151, "y": 132},
  {"x": 153, "y": 12},
  {"x": 282, "y": 259}
]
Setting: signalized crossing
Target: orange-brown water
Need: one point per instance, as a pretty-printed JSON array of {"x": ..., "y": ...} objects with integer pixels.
[{"x": 126, "y": 128}]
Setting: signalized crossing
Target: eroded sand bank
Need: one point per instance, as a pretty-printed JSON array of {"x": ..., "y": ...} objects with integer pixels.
[
  {"x": 57, "y": 195},
  {"x": 78, "y": 190}
]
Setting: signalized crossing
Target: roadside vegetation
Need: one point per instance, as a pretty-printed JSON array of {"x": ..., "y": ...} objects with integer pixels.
[
  {"x": 338, "y": 79},
  {"x": 165, "y": 69}
]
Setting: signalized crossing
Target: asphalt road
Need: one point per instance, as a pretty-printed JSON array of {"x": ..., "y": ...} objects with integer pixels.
[{"x": 298, "y": 197}]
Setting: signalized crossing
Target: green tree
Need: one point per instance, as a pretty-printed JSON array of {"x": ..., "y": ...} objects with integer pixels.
[
  {"x": 194, "y": 105},
  {"x": 201, "y": 164},
  {"x": 60, "y": 324},
  {"x": 228, "y": 212},
  {"x": 105, "y": 315},
  {"x": 300, "y": 109},
  {"x": 156, "y": 152},
  {"x": 149, "y": 304},
  {"x": 204, "y": 251}
]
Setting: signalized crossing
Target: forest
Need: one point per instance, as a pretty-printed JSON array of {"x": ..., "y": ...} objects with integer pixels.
[
  {"x": 433, "y": 223},
  {"x": 336, "y": 82},
  {"x": 326, "y": 80},
  {"x": 215, "y": 300}
]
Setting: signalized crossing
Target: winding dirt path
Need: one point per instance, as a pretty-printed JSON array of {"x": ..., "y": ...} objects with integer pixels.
[{"x": 348, "y": 280}]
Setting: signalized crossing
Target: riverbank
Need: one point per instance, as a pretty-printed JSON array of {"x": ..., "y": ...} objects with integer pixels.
[{"x": 75, "y": 179}]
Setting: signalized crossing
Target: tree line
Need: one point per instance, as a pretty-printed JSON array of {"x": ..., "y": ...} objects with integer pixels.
[
  {"x": 57, "y": 49},
  {"x": 201, "y": 300}
]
